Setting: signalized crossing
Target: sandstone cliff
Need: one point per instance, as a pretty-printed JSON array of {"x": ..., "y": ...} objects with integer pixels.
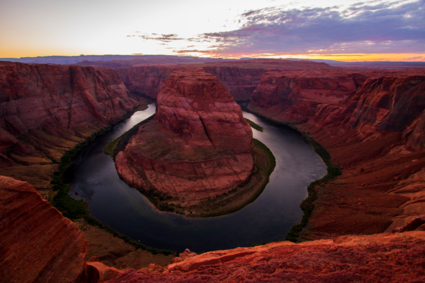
[
  {"x": 198, "y": 146},
  {"x": 239, "y": 77},
  {"x": 295, "y": 96},
  {"x": 37, "y": 243},
  {"x": 240, "y": 82},
  {"x": 374, "y": 134},
  {"x": 46, "y": 110},
  {"x": 148, "y": 80}
]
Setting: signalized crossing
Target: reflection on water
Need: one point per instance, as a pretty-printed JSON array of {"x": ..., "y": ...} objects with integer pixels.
[{"x": 267, "y": 219}]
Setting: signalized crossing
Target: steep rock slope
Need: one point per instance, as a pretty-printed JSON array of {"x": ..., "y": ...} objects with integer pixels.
[
  {"x": 37, "y": 243},
  {"x": 294, "y": 96},
  {"x": 240, "y": 82},
  {"x": 375, "y": 136},
  {"x": 148, "y": 80},
  {"x": 239, "y": 77},
  {"x": 47, "y": 109},
  {"x": 198, "y": 146},
  {"x": 377, "y": 258}
]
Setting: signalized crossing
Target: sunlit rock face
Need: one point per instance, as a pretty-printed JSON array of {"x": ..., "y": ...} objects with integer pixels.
[
  {"x": 198, "y": 146},
  {"x": 381, "y": 257},
  {"x": 37, "y": 243}
]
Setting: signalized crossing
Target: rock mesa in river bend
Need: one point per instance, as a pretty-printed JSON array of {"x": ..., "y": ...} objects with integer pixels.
[{"x": 198, "y": 146}]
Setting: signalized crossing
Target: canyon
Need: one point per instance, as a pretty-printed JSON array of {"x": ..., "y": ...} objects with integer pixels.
[
  {"x": 366, "y": 223},
  {"x": 373, "y": 133},
  {"x": 46, "y": 110},
  {"x": 198, "y": 146}
]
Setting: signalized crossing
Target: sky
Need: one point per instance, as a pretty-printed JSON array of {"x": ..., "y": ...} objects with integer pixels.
[{"x": 375, "y": 30}]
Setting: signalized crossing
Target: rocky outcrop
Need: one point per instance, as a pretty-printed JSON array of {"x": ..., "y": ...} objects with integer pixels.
[
  {"x": 148, "y": 80},
  {"x": 241, "y": 82},
  {"x": 46, "y": 110},
  {"x": 383, "y": 257},
  {"x": 374, "y": 134},
  {"x": 198, "y": 146},
  {"x": 37, "y": 243},
  {"x": 239, "y": 77},
  {"x": 295, "y": 96}
]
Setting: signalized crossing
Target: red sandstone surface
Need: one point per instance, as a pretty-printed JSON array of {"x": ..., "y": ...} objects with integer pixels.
[
  {"x": 239, "y": 77},
  {"x": 46, "y": 110},
  {"x": 37, "y": 243},
  {"x": 374, "y": 132},
  {"x": 148, "y": 80},
  {"x": 375, "y": 135},
  {"x": 377, "y": 258},
  {"x": 198, "y": 146}
]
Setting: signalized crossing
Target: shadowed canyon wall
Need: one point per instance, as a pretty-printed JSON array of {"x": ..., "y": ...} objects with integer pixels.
[
  {"x": 374, "y": 133},
  {"x": 239, "y": 77},
  {"x": 46, "y": 110}
]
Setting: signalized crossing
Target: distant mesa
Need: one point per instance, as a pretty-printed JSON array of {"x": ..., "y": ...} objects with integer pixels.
[{"x": 198, "y": 146}]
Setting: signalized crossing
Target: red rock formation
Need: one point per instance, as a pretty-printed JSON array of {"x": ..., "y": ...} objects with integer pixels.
[
  {"x": 375, "y": 135},
  {"x": 37, "y": 243},
  {"x": 295, "y": 96},
  {"x": 239, "y": 77},
  {"x": 199, "y": 146},
  {"x": 148, "y": 80},
  {"x": 47, "y": 109},
  {"x": 240, "y": 81},
  {"x": 377, "y": 258}
]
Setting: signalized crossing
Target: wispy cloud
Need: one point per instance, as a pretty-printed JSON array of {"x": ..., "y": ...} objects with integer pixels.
[
  {"x": 159, "y": 37},
  {"x": 366, "y": 27},
  {"x": 361, "y": 28}
]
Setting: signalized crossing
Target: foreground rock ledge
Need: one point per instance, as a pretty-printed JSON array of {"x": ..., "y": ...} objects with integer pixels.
[
  {"x": 376, "y": 258},
  {"x": 198, "y": 146}
]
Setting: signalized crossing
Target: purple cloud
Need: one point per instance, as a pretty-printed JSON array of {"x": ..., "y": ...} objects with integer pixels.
[{"x": 395, "y": 27}]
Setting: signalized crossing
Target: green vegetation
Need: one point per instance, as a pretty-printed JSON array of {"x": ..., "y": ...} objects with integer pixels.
[
  {"x": 334, "y": 171},
  {"x": 109, "y": 149},
  {"x": 271, "y": 160},
  {"x": 77, "y": 209},
  {"x": 307, "y": 205},
  {"x": 119, "y": 143},
  {"x": 254, "y": 125},
  {"x": 265, "y": 162},
  {"x": 70, "y": 208}
]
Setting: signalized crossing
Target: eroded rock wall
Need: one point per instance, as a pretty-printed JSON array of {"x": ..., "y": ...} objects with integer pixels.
[
  {"x": 37, "y": 243},
  {"x": 199, "y": 144},
  {"x": 241, "y": 82},
  {"x": 374, "y": 133},
  {"x": 46, "y": 110},
  {"x": 295, "y": 97}
]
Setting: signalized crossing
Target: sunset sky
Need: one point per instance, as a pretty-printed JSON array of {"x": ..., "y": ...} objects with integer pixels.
[{"x": 353, "y": 31}]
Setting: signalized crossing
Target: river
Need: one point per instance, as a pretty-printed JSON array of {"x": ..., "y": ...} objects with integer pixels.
[{"x": 267, "y": 219}]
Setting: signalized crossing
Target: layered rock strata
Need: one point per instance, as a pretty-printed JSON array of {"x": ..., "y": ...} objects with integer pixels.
[
  {"x": 375, "y": 135},
  {"x": 377, "y": 258},
  {"x": 295, "y": 96},
  {"x": 46, "y": 110},
  {"x": 239, "y": 77},
  {"x": 37, "y": 243},
  {"x": 198, "y": 146},
  {"x": 148, "y": 80}
]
